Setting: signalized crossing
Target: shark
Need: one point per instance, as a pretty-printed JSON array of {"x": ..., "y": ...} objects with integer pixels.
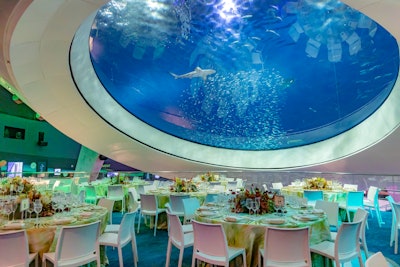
[{"x": 197, "y": 73}]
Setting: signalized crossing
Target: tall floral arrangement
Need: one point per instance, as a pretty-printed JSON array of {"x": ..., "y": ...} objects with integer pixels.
[
  {"x": 209, "y": 177},
  {"x": 182, "y": 185},
  {"x": 315, "y": 183},
  {"x": 266, "y": 200},
  {"x": 11, "y": 185}
]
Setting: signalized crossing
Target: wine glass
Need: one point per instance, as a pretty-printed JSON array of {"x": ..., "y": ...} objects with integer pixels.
[
  {"x": 256, "y": 205},
  {"x": 37, "y": 208},
  {"x": 249, "y": 204},
  {"x": 20, "y": 188},
  {"x": 8, "y": 208},
  {"x": 14, "y": 208},
  {"x": 30, "y": 209}
]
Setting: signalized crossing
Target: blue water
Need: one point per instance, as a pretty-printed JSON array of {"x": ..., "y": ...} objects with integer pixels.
[{"x": 267, "y": 92}]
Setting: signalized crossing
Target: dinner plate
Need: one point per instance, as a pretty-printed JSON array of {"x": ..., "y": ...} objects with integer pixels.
[
  {"x": 207, "y": 213},
  {"x": 207, "y": 208},
  {"x": 318, "y": 211},
  {"x": 305, "y": 218},
  {"x": 232, "y": 219},
  {"x": 275, "y": 221}
]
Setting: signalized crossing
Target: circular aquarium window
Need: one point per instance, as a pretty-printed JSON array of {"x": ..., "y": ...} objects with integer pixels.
[{"x": 244, "y": 75}]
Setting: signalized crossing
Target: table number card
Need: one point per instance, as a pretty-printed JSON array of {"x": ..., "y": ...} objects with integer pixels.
[{"x": 24, "y": 204}]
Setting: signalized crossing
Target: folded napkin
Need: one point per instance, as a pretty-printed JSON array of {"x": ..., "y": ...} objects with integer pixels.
[{"x": 231, "y": 219}]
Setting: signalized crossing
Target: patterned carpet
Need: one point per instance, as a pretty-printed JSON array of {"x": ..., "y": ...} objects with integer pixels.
[{"x": 152, "y": 250}]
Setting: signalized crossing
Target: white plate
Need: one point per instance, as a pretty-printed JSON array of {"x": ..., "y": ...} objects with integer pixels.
[
  {"x": 232, "y": 219},
  {"x": 306, "y": 218},
  {"x": 207, "y": 213},
  {"x": 276, "y": 221},
  {"x": 318, "y": 211}
]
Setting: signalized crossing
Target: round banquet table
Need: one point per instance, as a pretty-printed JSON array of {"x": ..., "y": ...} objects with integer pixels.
[
  {"x": 101, "y": 188},
  {"x": 43, "y": 238},
  {"x": 163, "y": 194},
  {"x": 247, "y": 231},
  {"x": 338, "y": 195}
]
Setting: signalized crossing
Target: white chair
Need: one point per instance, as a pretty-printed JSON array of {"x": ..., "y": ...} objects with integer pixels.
[
  {"x": 176, "y": 204},
  {"x": 345, "y": 247},
  {"x": 277, "y": 185},
  {"x": 91, "y": 195},
  {"x": 239, "y": 183},
  {"x": 211, "y": 198},
  {"x": 109, "y": 205},
  {"x": 135, "y": 194},
  {"x": 15, "y": 250},
  {"x": 133, "y": 203},
  {"x": 395, "y": 226},
  {"x": 123, "y": 237},
  {"x": 265, "y": 187},
  {"x": 177, "y": 237},
  {"x": 394, "y": 237},
  {"x": 116, "y": 193},
  {"x": 354, "y": 200},
  {"x": 350, "y": 187},
  {"x": 332, "y": 211},
  {"x": 149, "y": 207},
  {"x": 77, "y": 245},
  {"x": 362, "y": 215},
  {"x": 190, "y": 205},
  {"x": 285, "y": 247},
  {"x": 312, "y": 196},
  {"x": 371, "y": 202},
  {"x": 210, "y": 245},
  {"x": 377, "y": 260},
  {"x": 56, "y": 184},
  {"x": 231, "y": 186}
]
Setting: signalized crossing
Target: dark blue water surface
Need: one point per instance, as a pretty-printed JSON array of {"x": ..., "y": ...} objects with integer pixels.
[{"x": 286, "y": 73}]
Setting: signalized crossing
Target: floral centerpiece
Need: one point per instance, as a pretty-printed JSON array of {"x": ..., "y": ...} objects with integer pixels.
[
  {"x": 209, "y": 177},
  {"x": 25, "y": 189},
  {"x": 266, "y": 201},
  {"x": 315, "y": 183},
  {"x": 182, "y": 185}
]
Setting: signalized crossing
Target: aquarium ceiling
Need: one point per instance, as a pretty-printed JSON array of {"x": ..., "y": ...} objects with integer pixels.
[{"x": 244, "y": 75}]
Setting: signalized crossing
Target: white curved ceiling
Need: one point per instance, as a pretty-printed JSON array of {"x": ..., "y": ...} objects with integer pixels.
[{"x": 39, "y": 52}]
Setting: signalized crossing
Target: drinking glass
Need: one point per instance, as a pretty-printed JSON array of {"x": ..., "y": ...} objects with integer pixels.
[
  {"x": 249, "y": 204},
  {"x": 14, "y": 208},
  {"x": 37, "y": 208},
  {"x": 8, "y": 208},
  {"x": 20, "y": 188},
  {"x": 256, "y": 205},
  {"x": 30, "y": 209}
]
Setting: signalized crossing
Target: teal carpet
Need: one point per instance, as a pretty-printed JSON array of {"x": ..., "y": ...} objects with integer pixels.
[{"x": 152, "y": 250}]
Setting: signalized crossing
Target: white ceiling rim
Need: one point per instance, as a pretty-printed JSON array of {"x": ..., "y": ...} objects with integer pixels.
[
  {"x": 28, "y": 36},
  {"x": 349, "y": 142}
]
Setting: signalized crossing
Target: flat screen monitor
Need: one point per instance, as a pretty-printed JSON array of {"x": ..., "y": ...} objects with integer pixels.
[{"x": 14, "y": 168}]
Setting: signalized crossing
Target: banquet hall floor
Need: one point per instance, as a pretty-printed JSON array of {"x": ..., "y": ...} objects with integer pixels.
[{"x": 152, "y": 250}]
